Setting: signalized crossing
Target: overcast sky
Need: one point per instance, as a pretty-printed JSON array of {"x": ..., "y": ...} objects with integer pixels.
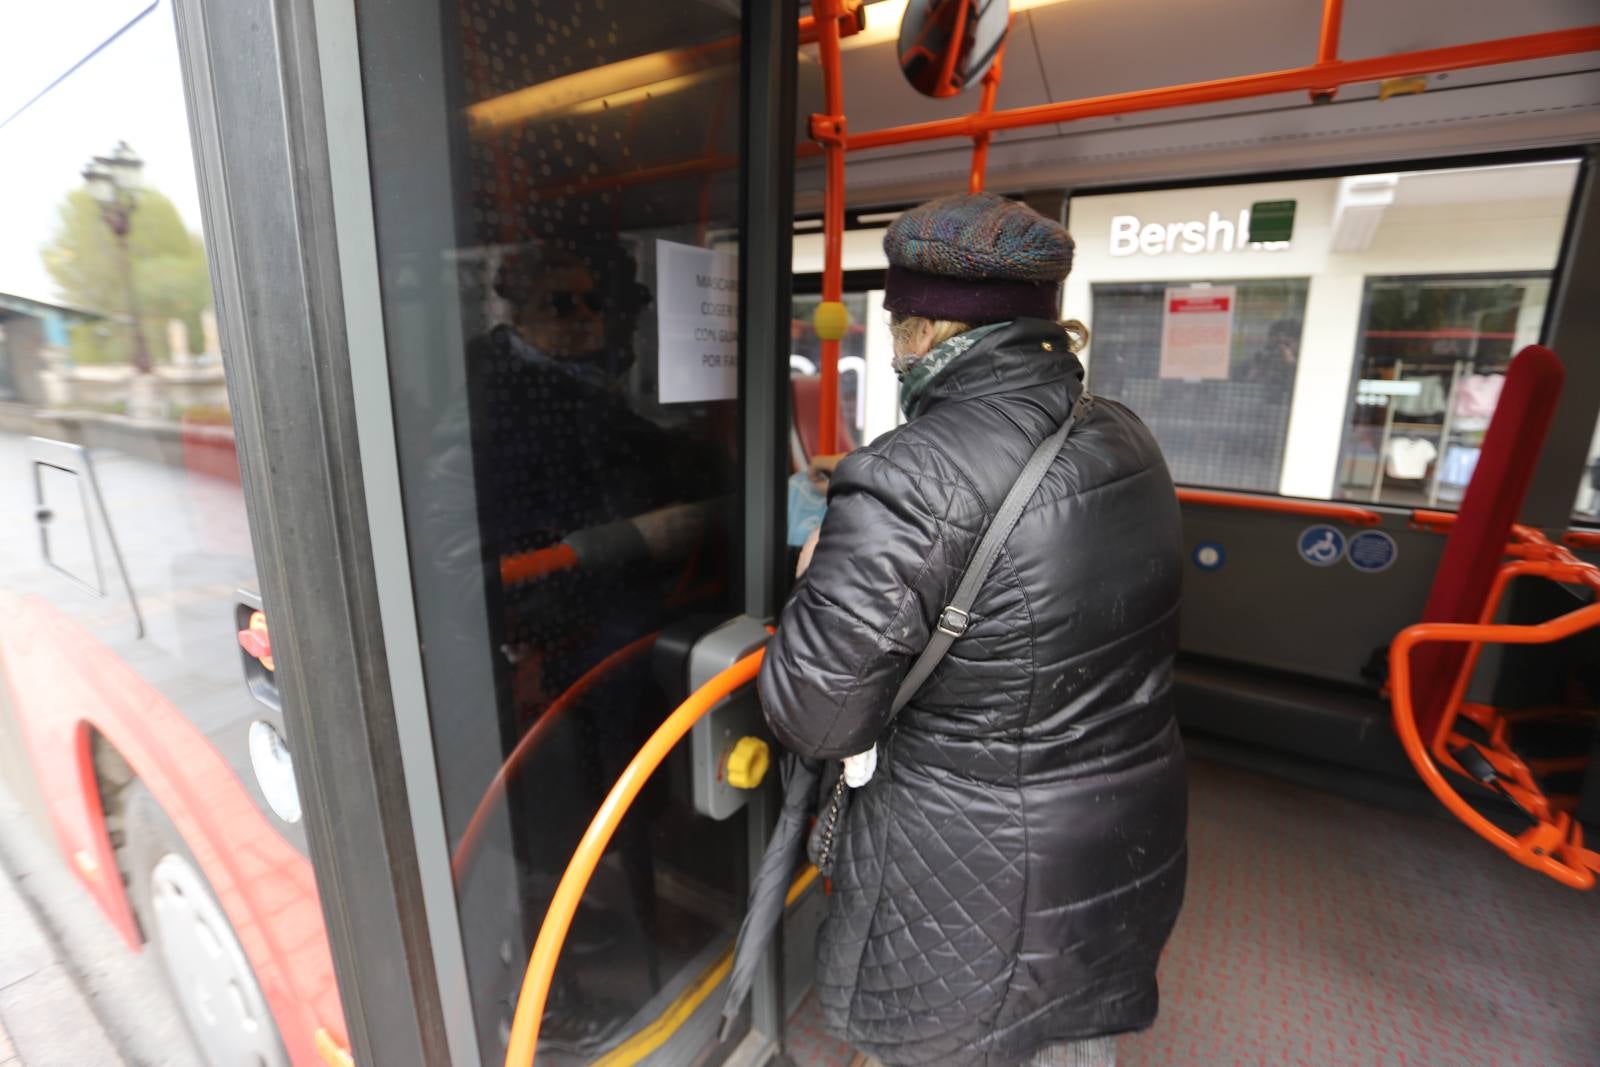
[{"x": 131, "y": 91}]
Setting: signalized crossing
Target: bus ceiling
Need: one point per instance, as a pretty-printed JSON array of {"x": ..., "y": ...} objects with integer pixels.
[{"x": 944, "y": 46}]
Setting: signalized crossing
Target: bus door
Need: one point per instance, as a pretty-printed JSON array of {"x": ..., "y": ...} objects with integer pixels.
[{"x": 588, "y": 478}]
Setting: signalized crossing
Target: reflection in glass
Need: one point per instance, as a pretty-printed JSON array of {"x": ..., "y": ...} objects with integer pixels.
[
  {"x": 559, "y": 268},
  {"x": 119, "y": 640}
]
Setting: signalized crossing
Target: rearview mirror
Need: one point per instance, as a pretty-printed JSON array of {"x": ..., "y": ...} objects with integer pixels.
[{"x": 946, "y": 46}]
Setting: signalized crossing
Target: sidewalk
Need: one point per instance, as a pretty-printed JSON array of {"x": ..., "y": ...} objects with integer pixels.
[{"x": 45, "y": 1019}]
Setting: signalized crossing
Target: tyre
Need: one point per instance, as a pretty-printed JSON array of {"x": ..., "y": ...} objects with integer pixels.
[{"x": 206, "y": 970}]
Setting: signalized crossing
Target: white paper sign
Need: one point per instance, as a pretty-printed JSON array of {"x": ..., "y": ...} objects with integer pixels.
[
  {"x": 697, "y": 301},
  {"x": 1197, "y": 332}
]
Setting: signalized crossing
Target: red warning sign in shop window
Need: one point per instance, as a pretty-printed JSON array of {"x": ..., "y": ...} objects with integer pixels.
[
  {"x": 1198, "y": 304},
  {"x": 1197, "y": 332}
]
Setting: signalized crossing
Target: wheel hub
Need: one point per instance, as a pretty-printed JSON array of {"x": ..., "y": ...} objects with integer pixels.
[{"x": 217, "y": 991}]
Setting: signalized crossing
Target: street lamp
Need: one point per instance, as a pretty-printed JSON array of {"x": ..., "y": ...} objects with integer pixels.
[{"x": 114, "y": 182}]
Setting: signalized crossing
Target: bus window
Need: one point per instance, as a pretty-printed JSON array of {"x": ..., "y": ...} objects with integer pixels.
[
  {"x": 1586, "y": 508},
  {"x": 1353, "y": 353},
  {"x": 126, "y": 562},
  {"x": 805, "y": 362}
]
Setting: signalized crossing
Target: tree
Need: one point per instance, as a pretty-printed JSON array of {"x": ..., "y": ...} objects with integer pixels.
[{"x": 169, "y": 273}]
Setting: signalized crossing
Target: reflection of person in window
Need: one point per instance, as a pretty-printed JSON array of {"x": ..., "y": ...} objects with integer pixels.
[
  {"x": 560, "y": 457},
  {"x": 568, "y": 311},
  {"x": 1275, "y": 363}
]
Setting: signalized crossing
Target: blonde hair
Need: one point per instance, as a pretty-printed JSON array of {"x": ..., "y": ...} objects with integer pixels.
[{"x": 904, "y": 330}]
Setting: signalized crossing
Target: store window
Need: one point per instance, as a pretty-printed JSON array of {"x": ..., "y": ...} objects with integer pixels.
[
  {"x": 1355, "y": 354},
  {"x": 1433, "y": 355},
  {"x": 1210, "y": 367}
]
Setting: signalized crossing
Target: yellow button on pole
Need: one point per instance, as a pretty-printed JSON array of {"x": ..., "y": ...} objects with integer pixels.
[
  {"x": 831, "y": 320},
  {"x": 748, "y": 762}
]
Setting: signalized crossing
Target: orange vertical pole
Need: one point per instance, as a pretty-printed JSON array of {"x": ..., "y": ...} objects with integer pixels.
[
  {"x": 1328, "y": 44},
  {"x": 829, "y": 129},
  {"x": 980, "y": 140},
  {"x": 952, "y": 56}
]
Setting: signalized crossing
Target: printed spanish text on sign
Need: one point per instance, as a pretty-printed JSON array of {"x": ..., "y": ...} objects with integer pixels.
[
  {"x": 697, "y": 297},
  {"x": 1197, "y": 332}
]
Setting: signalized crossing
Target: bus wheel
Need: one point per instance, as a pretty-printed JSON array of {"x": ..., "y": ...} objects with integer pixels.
[{"x": 205, "y": 967}]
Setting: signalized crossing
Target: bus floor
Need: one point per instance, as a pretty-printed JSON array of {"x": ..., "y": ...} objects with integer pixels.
[{"x": 1320, "y": 931}]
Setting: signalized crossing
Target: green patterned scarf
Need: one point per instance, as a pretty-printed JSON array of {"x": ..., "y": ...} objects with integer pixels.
[{"x": 915, "y": 380}]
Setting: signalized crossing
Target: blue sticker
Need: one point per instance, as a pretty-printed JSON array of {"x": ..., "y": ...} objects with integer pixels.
[
  {"x": 1372, "y": 551},
  {"x": 1209, "y": 556},
  {"x": 1321, "y": 546}
]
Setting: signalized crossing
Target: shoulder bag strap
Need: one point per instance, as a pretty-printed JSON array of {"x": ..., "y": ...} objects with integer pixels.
[{"x": 954, "y": 618}]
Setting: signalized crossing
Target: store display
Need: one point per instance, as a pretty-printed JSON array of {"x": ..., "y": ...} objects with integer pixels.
[{"x": 1409, "y": 457}]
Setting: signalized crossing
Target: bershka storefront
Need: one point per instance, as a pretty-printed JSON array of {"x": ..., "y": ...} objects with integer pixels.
[{"x": 1359, "y": 358}]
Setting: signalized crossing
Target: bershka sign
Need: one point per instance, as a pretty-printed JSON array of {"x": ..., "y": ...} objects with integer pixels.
[{"x": 1132, "y": 236}]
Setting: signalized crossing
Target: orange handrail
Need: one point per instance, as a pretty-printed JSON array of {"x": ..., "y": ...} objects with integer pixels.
[
  {"x": 1277, "y": 505},
  {"x": 1313, "y": 77},
  {"x": 467, "y": 847},
  {"x": 1553, "y": 847},
  {"x": 1522, "y": 535},
  {"x": 537, "y": 563},
  {"x": 1583, "y": 540},
  {"x": 524, "y": 1039}
]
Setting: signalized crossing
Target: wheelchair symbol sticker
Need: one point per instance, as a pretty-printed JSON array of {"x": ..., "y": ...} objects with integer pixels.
[{"x": 1321, "y": 546}]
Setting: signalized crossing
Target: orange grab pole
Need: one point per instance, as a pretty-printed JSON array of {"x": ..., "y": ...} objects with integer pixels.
[
  {"x": 1541, "y": 847},
  {"x": 991, "y": 87},
  {"x": 1328, "y": 44},
  {"x": 1296, "y": 79},
  {"x": 1347, "y": 513},
  {"x": 829, "y": 129},
  {"x": 467, "y": 847},
  {"x": 524, "y": 1040},
  {"x": 952, "y": 56}
]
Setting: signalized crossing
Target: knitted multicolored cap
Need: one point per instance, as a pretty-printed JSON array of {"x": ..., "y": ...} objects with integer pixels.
[{"x": 976, "y": 259}]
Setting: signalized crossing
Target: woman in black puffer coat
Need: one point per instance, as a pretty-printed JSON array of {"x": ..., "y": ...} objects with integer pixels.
[{"x": 1006, "y": 880}]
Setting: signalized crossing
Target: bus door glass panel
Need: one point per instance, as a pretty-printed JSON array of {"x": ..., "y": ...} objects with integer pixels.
[{"x": 556, "y": 205}]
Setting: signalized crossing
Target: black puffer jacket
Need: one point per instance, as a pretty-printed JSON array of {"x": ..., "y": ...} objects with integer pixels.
[{"x": 1010, "y": 875}]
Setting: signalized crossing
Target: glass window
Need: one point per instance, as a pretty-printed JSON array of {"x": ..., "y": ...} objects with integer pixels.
[
  {"x": 1355, "y": 356},
  {"x": 1433, "y": 355},
  {"x": 805, "y": 362},
  {"x": 1586, "y": 508},
  {"x": 556, "y": 190}
]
